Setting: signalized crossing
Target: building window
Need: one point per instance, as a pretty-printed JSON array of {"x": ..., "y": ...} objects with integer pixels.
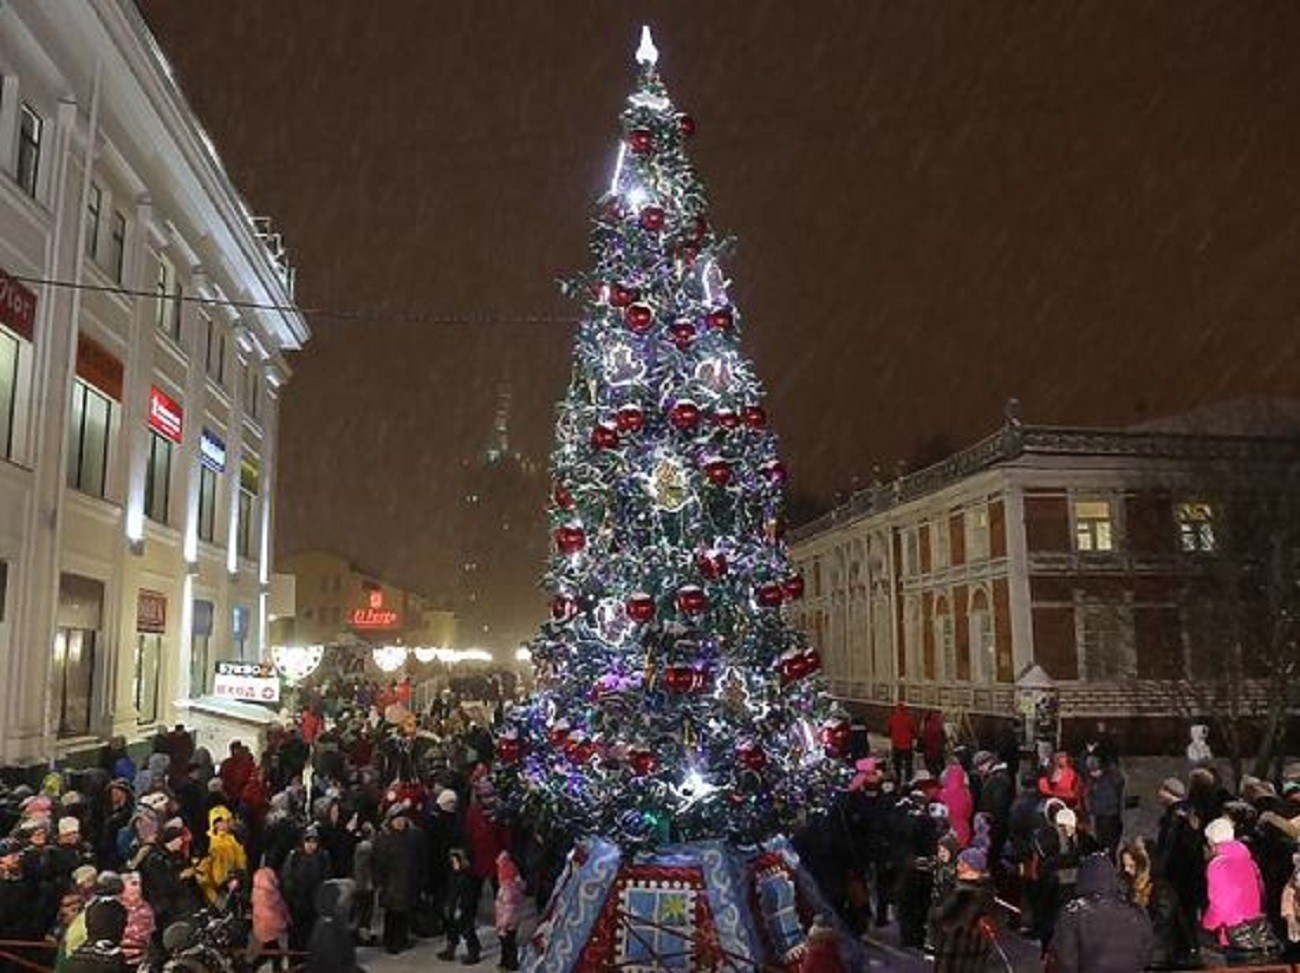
[
  {"x": 1195, "y": 527},
  {"x": 248, "y": 490},
  {"x": 74, "y": 663},
  {"x": 94, "y": 202},
  {"x": 157, "y": 483},
  {"x": 941, "y": 542},
  {"x": 1105, "y": 634},
  {"x": 148, "y": 659},
  {"x": 88, "y": 434},
  {"x": 982, "y": 648},
  {"x": 215, "y": 357},
  {"x": 252, "y": 392},
  {"x": 30, "y": 129},
  {"x": 912, "y": 636},
  {"x": 1093, "y": 527},
  {"x": 911, "y": 553},
  {"x": 116, "y": 245},
  {"x": 945, "y": 641},
  {"x": 8, "y": 391},
  {"x": 167, "y": 298},
  {"x": 199, "y": 651},
  {"x": 207, "y": 503},
  {"x": 977, "y": 534}
]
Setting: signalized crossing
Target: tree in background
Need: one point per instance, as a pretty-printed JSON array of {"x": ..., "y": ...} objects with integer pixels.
[{"x": 674, "y": 701}]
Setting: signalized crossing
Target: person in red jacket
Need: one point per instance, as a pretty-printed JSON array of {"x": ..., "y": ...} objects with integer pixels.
[
  {"x": 1062, "y": 782},
  {"x": 902, "y": 738},
  {"x": 821, "y": 951}
]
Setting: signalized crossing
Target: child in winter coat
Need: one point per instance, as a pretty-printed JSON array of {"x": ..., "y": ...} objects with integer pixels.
[
  {"x": 270, "y": 917},
  {"x": 139, "y": 920},
  {"x": 510, "y": 896}
]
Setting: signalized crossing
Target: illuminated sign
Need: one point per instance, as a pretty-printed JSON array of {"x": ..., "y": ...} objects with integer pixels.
[
  {"x": 17, "y": 307},
  {"x": 374, "y": 619},
  {"x": 165, "y": 416},
  {"x": 254, "y": 681},
  {"x": 212, "y": 451}
]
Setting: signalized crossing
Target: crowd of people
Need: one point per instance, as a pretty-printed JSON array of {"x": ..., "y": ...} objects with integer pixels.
[
  {"x": 292, "y": 857},
  {"x": 361, "y": 824},
  {"x": 978, "y": 844}
]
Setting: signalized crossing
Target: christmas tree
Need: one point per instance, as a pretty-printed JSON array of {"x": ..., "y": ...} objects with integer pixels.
[{"x": 674, "y": 700}]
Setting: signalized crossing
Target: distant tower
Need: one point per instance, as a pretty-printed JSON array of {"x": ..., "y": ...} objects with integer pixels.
[{"x": 503, "y": 541}]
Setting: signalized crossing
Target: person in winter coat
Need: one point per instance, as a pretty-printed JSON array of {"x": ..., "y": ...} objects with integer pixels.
[
  {"x": 270, "y": 917},
  {"x": 111, "y": 849},
  {"x": 1098, "y": 932},
  {"x": 1062, "y": 782},
  {"x": 955, "y": 795},
  {"x": 1232, "y": 882},
  {"x": 140, "y": 925},
  {"x": 961, "y": 923},
  {"x": 821, "y": 949},
  {"x": 102, "y": 950},
  {"x": 330, "y": 948},
  {"x": 225, "y": 855},
  {"x": 1104, "y": 801},
  {"x": 902, "y": 740},
  {"x": 462, "y": 909},
  {"x": 396, "y": 880},
  {"x": 997, "y": 791},
  {"x": 305, "y": 870},
  {"x": 510, "y": 897},
  {"x": 363, "y": 877},
  {"x": 168, "y": 880},
  {"x": 1058, "y": 848},
  {"x": 1179, "y": 859},
  {"x": 934, "y": 742},
  {"x": 1153, "y": 895},
  {"x": 335, "y": 837},
  {"x": 281, "y": 832},
  {"x": 444, "y": 833}
]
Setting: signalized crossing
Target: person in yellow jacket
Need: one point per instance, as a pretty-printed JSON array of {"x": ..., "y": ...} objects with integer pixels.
[{"x": 225, "y": 854}]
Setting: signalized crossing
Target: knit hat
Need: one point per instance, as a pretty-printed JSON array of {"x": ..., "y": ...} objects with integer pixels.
[
  {"x": 156, "y": 800},
  {"x": 982, "y": 758},
  {"x": 1065, "y": 818},
  {"x": 72, "y": 799},
  {"x": 1220, "y": 830},
  {"x": 1174, "y": 787},
  {"x": 170, "y": 833},
  {"x": 69, "y": 825},
  {"x": 121, "y": 784},
  {"x": 10, "y": 846},
  {"x": 83, "y": 875},
  {"x": 975, "y": 859},
  {"x": 447, "y": 800}
]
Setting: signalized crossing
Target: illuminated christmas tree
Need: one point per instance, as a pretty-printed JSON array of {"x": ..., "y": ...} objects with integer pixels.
[{"x": 674, "y": 701}]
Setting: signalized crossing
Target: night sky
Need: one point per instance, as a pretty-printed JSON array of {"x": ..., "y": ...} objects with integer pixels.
[{"x": 1093, "y": 206}]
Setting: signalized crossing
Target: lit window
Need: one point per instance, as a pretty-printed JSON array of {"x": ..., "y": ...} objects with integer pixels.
[
  {"x": 1093, "y": 528},
  {"x": 1195, "y": 526},
  {"x": 30, "y": 129},
  {"x": 88, "y": 439}
]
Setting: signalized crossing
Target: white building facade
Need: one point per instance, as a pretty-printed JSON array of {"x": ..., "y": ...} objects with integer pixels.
[{"x": 144, "y": 316}]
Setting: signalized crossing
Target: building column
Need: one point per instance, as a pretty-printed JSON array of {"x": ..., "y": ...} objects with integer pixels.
[
  {"x": 1018, "y": 590},
  {"x": 266, "y": 511}
]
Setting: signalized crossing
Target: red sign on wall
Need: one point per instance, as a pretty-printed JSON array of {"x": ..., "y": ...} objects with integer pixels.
[
  {"x": 17, "y": 307},
  {"x": 151, "y": 612},
  {"x": 374, "y": 619},
  {"x": 166, "y": 417}
]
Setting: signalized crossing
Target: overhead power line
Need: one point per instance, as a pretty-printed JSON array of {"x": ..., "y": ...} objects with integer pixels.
[{"x": 315, "y": 312}]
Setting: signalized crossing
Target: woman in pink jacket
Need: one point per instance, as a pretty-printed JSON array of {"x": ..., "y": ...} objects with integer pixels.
[
  {"x": 955, "y": 795},
  {"x": 270, "y": 916},
  {"x": 1232, "y": 881}
]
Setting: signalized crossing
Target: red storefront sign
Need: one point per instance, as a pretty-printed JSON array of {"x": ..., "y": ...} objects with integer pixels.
[
  {"x": 166, "y": 417},
  {"x": 372, "y": 619},
  {"x": 151, "y": 612},
  {"x": 99, "y": 366},
  {"x": 17, "y": 307}
]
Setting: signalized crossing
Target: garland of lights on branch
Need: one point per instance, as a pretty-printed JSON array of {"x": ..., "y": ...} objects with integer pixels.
[{"x": 674, "y": 701}]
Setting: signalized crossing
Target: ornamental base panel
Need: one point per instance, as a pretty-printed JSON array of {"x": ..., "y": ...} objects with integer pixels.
[{"x": 704, "y": 905}]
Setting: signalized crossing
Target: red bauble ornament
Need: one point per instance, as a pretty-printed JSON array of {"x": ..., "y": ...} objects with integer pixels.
[
  {"x": 795, "y": 664},
  {"x": 563, "y": 607},
  {"x": 755, "y": 416},
  {"x": 629, "y": 418},
  {"x": 604, "y": 436},
  {"x": 509, "y": 749},
  {"x": 721, "y": 319},
  {"x": 774, "y": 470},
  {"x": 683, "y": 334},
  {"x": 834, "y": 737},
  {"x": 579, "y": 748},
  {"x": 642, "y": 761},
  {"x": 571, "y": 538},
  {"x": 712, "y": 565},
  {"x": 621, "y": 296},
  {"x": 688, "y": 253},
  {"x": 770, "y": 595},
  {"x": 699, "y": 228},
  {"x": 792, "y": 587},
  {"x": 559, "y": 733},
  {"x": 718, "y": 471},
  {"x": 653, "y": 218},
  {"x": 640, "y": 607},
  {"x": 684, "y": 415},
  {"x": 560, "y": 494},
  {"x": 641, "y": 140},
  {"x": 685, "y": 679},
  {"x": 692, "y": 600},
  {"x": 726, "y": 418},
  {"x": 639, "y": 318},
  {"x": 686, "y": 125},
  {"x": 751, "y": 756}
]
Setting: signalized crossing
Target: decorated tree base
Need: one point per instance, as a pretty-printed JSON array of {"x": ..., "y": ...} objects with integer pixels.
[{"x": 706, "y": 905}]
